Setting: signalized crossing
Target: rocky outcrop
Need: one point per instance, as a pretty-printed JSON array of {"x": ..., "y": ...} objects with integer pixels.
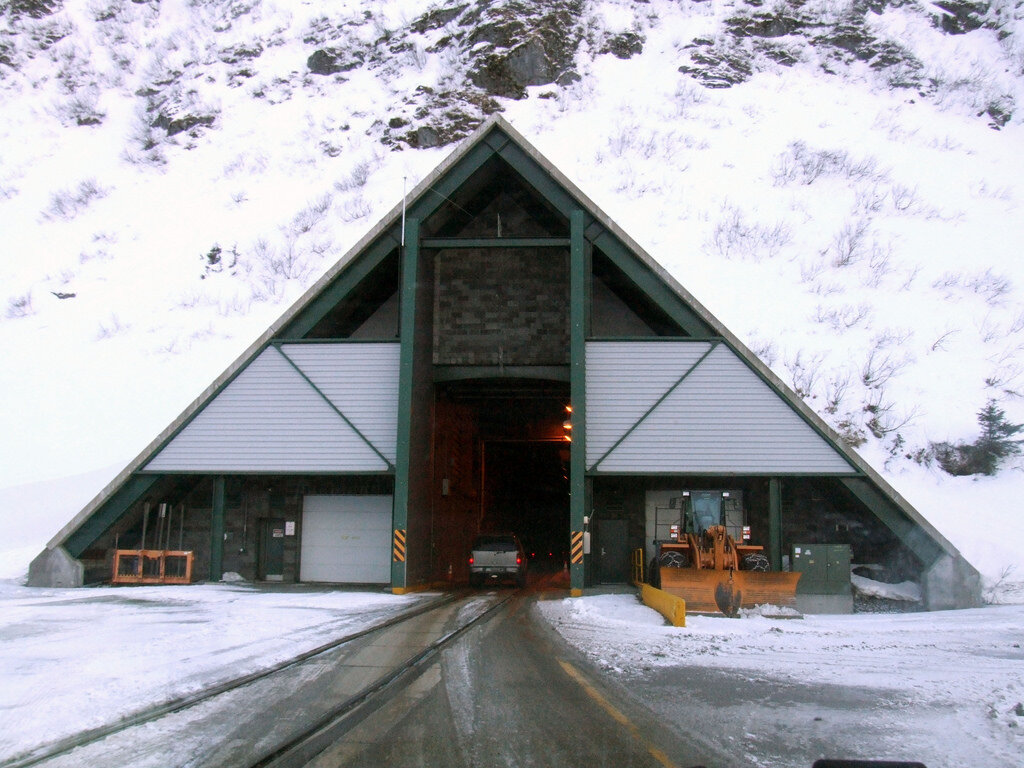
[{"x": 330, "y": 61}]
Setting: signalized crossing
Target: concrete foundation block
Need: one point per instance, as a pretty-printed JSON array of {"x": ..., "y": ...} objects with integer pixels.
[
  {"x": 55, "y": 568},
  {"x": 951, "y": 582}
]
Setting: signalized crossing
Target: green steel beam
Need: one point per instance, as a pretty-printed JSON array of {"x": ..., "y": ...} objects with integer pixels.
[
  {"x": 495, "y": 242},
  {"x": 496, "y": 140},
  {"x": 578, "y": 275},
  {"x": 775, "y": 523},
  {"x": 913, "y": 536},
  {"x": 108, "y": 513},
  {"x": 406, "y": 366},
  {"x": 342, "y": 286},
  {"x": 657, "y": 402},
  {"x": 652, "y": 285},
  {"x": 217, "y": 530},
  {"x": 434, "y": 197},
  {"x": 463, "y": 372},
  {"x": 540, "y": 179}
]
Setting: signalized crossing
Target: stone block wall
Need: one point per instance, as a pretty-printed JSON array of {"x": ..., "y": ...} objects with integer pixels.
[{"x": 501, "y": 307}]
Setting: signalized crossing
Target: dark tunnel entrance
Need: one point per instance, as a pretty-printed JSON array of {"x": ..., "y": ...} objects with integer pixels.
[
  {"x": 526, "y": 491},
  {"x": 501, "y": 464}
]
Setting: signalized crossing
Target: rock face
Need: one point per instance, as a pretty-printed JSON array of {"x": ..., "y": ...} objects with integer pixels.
[
  {"x": 330, "y": 61},
  {"x": 35, "y": 9},
  {"x": 961, "y": 17},
  {"x": 514, "y": 45},
  {"x": 624, "y": 45}
]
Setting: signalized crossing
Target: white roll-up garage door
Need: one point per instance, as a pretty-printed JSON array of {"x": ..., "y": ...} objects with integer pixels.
[{"x": 346, "y": 539}]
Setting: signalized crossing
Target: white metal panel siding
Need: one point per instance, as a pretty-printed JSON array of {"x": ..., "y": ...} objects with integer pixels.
[
  {"x": 721, "y": 418},
  {"x": 346, "y": 539},
  {"x": 362, "y": 382},
  {"x": 268, "y": 419},
  {"x": 624, "y": 379}
]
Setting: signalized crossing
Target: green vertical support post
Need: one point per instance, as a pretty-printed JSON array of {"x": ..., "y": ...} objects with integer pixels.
[
  {"x": 217, "y": 530},
  {"x": 407, "y": 335},
  {"x": 775, "y": 523},
  {"x": 577, "y": 391}
]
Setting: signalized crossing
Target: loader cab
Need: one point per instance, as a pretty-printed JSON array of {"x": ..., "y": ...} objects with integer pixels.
[{"x": 704, "y": 509}]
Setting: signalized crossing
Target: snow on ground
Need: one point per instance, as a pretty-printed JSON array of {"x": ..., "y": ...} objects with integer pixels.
[
  {"x": 954, "y": 675},
  {"x": 82, "y": 658}
]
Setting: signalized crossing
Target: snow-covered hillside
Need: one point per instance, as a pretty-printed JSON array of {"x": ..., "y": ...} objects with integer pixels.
[{"x": 839, "y": 182}]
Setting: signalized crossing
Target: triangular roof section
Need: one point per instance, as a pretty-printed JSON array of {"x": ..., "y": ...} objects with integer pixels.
[{"x": 496, "y": 138}]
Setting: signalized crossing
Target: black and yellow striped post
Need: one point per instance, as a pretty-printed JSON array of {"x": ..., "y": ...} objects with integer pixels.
[
  {"x": 576, "y": 548},
  {"x": 398, "y": 546}
]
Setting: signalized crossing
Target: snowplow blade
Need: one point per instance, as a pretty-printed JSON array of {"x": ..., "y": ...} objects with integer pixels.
[{"x": 708, "y": 591}]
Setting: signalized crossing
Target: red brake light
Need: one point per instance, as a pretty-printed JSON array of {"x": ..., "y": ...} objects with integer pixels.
[
  {"x": 519, "y": 560},
  {"x": 471, "y": 561}
]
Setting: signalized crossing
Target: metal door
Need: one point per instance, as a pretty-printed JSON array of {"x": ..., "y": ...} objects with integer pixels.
[
  {"x": 612, "y": 552},
  {"x": 271, "y": 558}
]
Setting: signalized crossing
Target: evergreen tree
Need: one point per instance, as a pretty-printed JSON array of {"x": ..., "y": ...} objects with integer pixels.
[
  {"x": 984, "y": 455},
  {"x": 995, "y": 442}
]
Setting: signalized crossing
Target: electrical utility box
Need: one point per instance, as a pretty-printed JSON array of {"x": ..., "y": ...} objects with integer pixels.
[{"x": 824, "y": 586}]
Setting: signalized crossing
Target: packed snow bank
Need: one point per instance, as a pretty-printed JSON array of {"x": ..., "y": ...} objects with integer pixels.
[
  {"x": 905, "y": 591},
  {"x": 81, "y": 658},
  {"x": 953, "y": 680}
]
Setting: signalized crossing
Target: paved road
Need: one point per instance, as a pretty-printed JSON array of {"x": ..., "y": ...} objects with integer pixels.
[{"x": 510, "y": 693}]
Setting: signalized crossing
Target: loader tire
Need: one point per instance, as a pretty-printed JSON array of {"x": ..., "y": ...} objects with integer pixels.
[
  {"x": 757, "y": 562},
  {"x": 674, "y": 559},
  {"x": 654, "y": 574}
]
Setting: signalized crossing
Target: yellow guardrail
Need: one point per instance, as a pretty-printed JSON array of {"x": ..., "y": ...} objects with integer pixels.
[
  {"x": 638, "y": 566},
  {"x": 671, "y": 607}
]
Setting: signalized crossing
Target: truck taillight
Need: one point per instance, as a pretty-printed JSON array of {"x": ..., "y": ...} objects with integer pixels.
[
  {"x": 471, "y": 561},
  {"x": 519, "y": 561}
]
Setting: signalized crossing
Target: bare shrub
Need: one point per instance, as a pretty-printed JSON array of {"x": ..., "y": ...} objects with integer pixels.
[
  {"x": 276, "y": 266},
  {"x": 19, "y": 306},
  {"x": 631, "y": 139},
  {"x": 111, "y": 327},
  {"x": 903, "y": 198},
  {"x": 882, "y": 419},
  {"x": 800, "y": 164},
  {"x": 236, "y": 305},
  {"x": 879, "y": 265},
  {"x": 1002, "y": 586},
  {"x": 804, "y": 373},
  {"x": 940, "y": 343},
  {"x": 359, "y": 174},
  {"x": 908, "y": 281},
  {"x": 882, "y": 364},
  {"x": 992, "y": 286},
  {"x": 849, "y": 244},
  {"x": 836, "y": 387},
  {"x": 850, "y": 431},
  {"x": 765, "y": 351},
  {"x": 869, "y": 199},
  {"x": 66, "y": 204},
  {"x": 82, "y": 108},
  {"x": 811, "y": 269},
  {"x": 354, "y": 209},
  {"x": 311, "y": 215},
  {"x": 844, "y": 317},
  {"x": 734, "y": 235}
]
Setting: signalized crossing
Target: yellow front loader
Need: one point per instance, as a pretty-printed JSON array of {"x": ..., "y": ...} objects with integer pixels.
[{"x": 711, "y": 572}]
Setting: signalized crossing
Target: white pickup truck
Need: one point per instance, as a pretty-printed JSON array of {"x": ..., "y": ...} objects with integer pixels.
[{"x": 497, "y": 557}]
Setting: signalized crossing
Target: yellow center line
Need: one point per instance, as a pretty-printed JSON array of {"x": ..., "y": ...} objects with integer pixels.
[{"x": 620, "y": 718}]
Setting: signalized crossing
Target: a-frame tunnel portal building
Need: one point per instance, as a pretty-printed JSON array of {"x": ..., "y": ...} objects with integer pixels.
[{"x": 417, "y": 394}]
